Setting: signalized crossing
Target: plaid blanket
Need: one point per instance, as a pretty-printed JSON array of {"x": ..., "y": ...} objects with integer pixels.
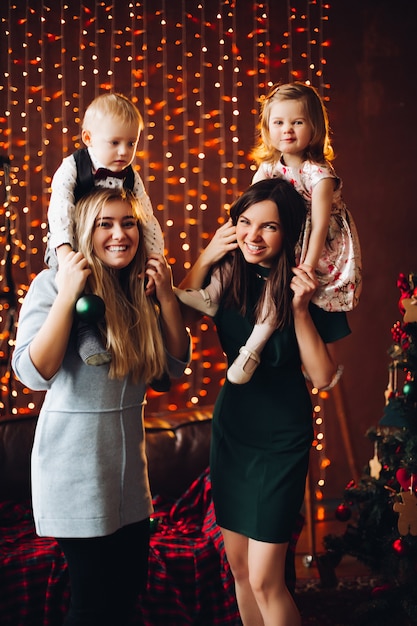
[
  {"x": 190, "y": 582},
  {"x": 34, "y": 587}
]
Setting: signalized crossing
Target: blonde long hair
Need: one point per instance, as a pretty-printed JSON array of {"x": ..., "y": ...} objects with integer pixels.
[
  {"x": 131, "y": 329},
  {"x": 319, "y": 149}
]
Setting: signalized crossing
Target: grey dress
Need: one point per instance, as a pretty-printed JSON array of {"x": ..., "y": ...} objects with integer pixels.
[{"x": 89, "y": 469}]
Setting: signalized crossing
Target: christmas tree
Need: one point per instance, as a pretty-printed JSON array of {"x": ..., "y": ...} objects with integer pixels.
[{"x": 382, "y": 506}]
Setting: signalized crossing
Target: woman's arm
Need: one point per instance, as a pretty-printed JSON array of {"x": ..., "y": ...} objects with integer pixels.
[
  {"x": 223, "y": 241},
  {"x": 321, "y": 206},
  {"x": 49, "y": 345},
  {"x": 314, "y": 353},
  {"x": 174, "y": 331}
]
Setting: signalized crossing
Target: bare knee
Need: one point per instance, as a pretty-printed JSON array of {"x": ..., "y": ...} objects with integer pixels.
[
  {"x": 265, "y": 587},
  {"x": 239, "y": 567},
  {"x": 259, "y": 585}
]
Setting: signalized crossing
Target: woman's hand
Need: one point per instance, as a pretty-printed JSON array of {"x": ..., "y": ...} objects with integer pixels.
[
  {"x": 315, "y": 356},
  {"x": 175, "y": 335},
  {"x": 304, "y": 284},
  {"x": 48, "y": 347},
  {"x": 159, "y": 272},
  {"x": 72, "y": 276},
  {"x": 222, "y": 242}
]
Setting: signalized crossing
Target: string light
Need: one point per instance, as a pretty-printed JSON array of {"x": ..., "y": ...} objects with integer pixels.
[
  {"x": 221, "y": 124},
  {"x": 319, "y": 445}
]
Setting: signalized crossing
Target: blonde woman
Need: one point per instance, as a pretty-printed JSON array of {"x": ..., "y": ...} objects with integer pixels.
[{"x": 90, "y": 485}]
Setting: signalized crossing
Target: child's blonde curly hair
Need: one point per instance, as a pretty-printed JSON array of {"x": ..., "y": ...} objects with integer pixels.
[{"x": 319, "y": 149}]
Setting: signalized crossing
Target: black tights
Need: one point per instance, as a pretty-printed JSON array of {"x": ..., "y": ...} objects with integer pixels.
[{"x": 106, "y": 575}]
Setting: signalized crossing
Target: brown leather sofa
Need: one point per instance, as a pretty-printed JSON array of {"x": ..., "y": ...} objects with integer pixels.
[{"x": 177, "y": 447}]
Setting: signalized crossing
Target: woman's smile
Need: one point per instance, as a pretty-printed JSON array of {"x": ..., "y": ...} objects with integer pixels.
[
  {"x": 259, "y": 234},
  {"x": 254, "y": 249},
  {"x": 117, "y": 248},
  {"x": 116, "y": 235}
]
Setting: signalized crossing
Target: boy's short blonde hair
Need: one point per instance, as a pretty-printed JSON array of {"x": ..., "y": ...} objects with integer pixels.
[{"x": 112, "y": 105}]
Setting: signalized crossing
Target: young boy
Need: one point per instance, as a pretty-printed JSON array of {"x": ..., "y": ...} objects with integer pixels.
[{"x": 110, "y": 132}]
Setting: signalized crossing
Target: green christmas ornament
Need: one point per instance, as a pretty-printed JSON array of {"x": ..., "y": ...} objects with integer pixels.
[
  {"x": 410, "y": 390},
  {"x": 90, "y": 308}
]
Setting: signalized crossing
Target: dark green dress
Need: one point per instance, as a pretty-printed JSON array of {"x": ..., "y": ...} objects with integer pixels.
[{"x": 262, "y": 431}]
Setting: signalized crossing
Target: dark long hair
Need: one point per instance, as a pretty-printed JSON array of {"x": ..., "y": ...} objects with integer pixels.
[{"x": 277, "y": 294}]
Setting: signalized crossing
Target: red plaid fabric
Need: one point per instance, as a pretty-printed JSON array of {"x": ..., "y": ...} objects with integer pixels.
[
  {"x": 189, "y": 578},
  {"x": 33, "y": 573}
]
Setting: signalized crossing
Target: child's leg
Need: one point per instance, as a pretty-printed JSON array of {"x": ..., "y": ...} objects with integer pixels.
[
  {"x": 89, "y": 345},
  {"x": 245, "y": 364},
  {"x": 259, "y": 336},
  {"x": 204, "y": 300},
  {"x": 241, "y": 370},
  {"x": 90, "y": 308}
]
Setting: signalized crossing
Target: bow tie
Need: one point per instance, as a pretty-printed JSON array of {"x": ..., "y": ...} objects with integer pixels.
[{"x": 102, "y": 172}]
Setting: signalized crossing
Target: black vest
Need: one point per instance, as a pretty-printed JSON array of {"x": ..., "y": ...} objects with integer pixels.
[{"x": 85, "y": 176}]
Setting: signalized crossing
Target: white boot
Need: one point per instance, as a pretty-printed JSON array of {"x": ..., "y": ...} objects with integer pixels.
[{"x": 197, "y": 299}]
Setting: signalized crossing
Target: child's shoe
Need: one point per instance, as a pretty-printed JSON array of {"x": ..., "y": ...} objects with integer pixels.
[
  {"x": 90, "y": 346},
  {"x": 197, "y": 299},
  {"x": 241, "y": 370}
]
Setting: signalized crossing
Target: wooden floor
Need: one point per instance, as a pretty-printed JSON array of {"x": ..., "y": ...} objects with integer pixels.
[{"x": 347, "y": 568}]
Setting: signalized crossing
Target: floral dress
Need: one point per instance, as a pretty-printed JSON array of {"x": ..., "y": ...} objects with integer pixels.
[{"x": 339, "y": 270}]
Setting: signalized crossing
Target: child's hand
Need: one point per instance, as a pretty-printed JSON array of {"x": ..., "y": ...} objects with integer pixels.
[
  {"x": 223, "y": 241},
  {"x": 72, "y": 275}
]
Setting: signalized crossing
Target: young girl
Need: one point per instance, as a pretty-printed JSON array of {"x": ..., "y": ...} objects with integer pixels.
[
  {"x": 90, "y": 485},
  {"x": 262, "y": 431},
  {"x": 294, "y": 144}
]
